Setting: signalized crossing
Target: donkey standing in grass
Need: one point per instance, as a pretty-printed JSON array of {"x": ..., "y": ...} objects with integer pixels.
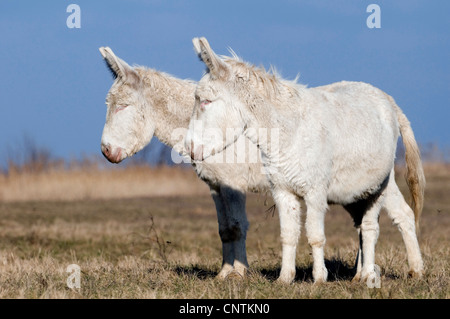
[
  {"x": 143, "y": 102},
  {"x": 336, "y": 144}
]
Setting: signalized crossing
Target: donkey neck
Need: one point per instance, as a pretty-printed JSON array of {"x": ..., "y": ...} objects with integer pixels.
[
  {"x": 170, "y": 102},
  {"x": 274, "y": 118}
]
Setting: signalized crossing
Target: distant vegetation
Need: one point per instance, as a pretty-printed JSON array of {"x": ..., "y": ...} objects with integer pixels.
[
  {"x": 32, "y": 172},
  {"x": 29, "y": 156}
]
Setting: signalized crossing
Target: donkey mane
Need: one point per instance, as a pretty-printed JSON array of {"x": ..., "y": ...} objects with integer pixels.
[
  {"x": 268, "y": 83},
  {"x": 157, "y": 79}
]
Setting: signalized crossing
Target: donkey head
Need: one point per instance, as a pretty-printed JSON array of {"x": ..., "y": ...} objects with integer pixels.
[
  {"x": 217, "y": 120},
  {"x": 127, "y": 128}
]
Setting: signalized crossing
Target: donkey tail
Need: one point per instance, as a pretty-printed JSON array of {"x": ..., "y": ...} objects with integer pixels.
[{"x": 415, "y": 178}]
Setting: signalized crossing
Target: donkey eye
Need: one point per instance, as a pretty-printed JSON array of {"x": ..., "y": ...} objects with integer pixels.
[
  {"x": 120, "y": 108},
  {"x": 204, "y": 103}
]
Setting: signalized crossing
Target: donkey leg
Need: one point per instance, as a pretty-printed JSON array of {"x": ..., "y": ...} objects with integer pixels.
[
  {"x": 315, "y": 232},
  {"x": 236, "y": 231},
  {"x": 357, "y": 210},
  {"x": 403, "y": 217},
  {"x": 288, "y": 206},
  {"x": 358, "y": 261},
  {"x": 227, "y": 246},
  {"x": 368, "y": 238}
]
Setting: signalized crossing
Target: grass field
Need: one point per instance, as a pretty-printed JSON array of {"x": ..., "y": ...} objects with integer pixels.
[{"x": 166, "y": 245}]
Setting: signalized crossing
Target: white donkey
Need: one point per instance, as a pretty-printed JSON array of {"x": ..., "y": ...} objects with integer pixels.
[
  {"x": 336, "y": 144},
  {"x": 143, "y": 102}
]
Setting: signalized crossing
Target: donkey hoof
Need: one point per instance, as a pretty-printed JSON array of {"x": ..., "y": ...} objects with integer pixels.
[
  {"x": 241, "y": 270},
  {"x": 357, "y": 277},
  {"x": 320, "y": 276},
  {"x": 224, "y": 272},
  {"x": 235, "y": 275},
  {"x": 286, "y": 277},
  {"x": 415, "y": 274},
  {"x": 284, "y": 281}
]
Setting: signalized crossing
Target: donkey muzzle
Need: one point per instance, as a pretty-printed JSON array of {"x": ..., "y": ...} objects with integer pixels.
[{"x": 114, "y": 155}]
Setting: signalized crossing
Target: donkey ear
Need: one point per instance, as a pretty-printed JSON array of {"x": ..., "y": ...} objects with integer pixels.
[
  {"x": 118, "y": 67},
  {"x": 216, "y": 66}
]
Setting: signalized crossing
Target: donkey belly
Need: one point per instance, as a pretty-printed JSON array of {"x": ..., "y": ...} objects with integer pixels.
[
  {"x": 356, "y": 184},
  {"x": 360, "y": 170},
  {"x": 364, "y": 135}
]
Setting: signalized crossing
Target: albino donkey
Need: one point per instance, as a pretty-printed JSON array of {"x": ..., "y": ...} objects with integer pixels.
[
  {"x": 336, "y": 144},
  {"x": 143, "y": 102}
]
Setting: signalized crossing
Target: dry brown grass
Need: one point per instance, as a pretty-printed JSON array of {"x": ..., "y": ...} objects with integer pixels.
[
  {"x": 94, "y": 183},
  {"x": 134, "y": 181},
  {"x": 168, "y": 246}
]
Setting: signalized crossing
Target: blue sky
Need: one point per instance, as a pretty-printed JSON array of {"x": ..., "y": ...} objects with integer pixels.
[{"x": 53, "y": 82}]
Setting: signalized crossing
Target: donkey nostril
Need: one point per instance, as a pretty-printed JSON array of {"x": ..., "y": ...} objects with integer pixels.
[{"x": 106, "y": 149}]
